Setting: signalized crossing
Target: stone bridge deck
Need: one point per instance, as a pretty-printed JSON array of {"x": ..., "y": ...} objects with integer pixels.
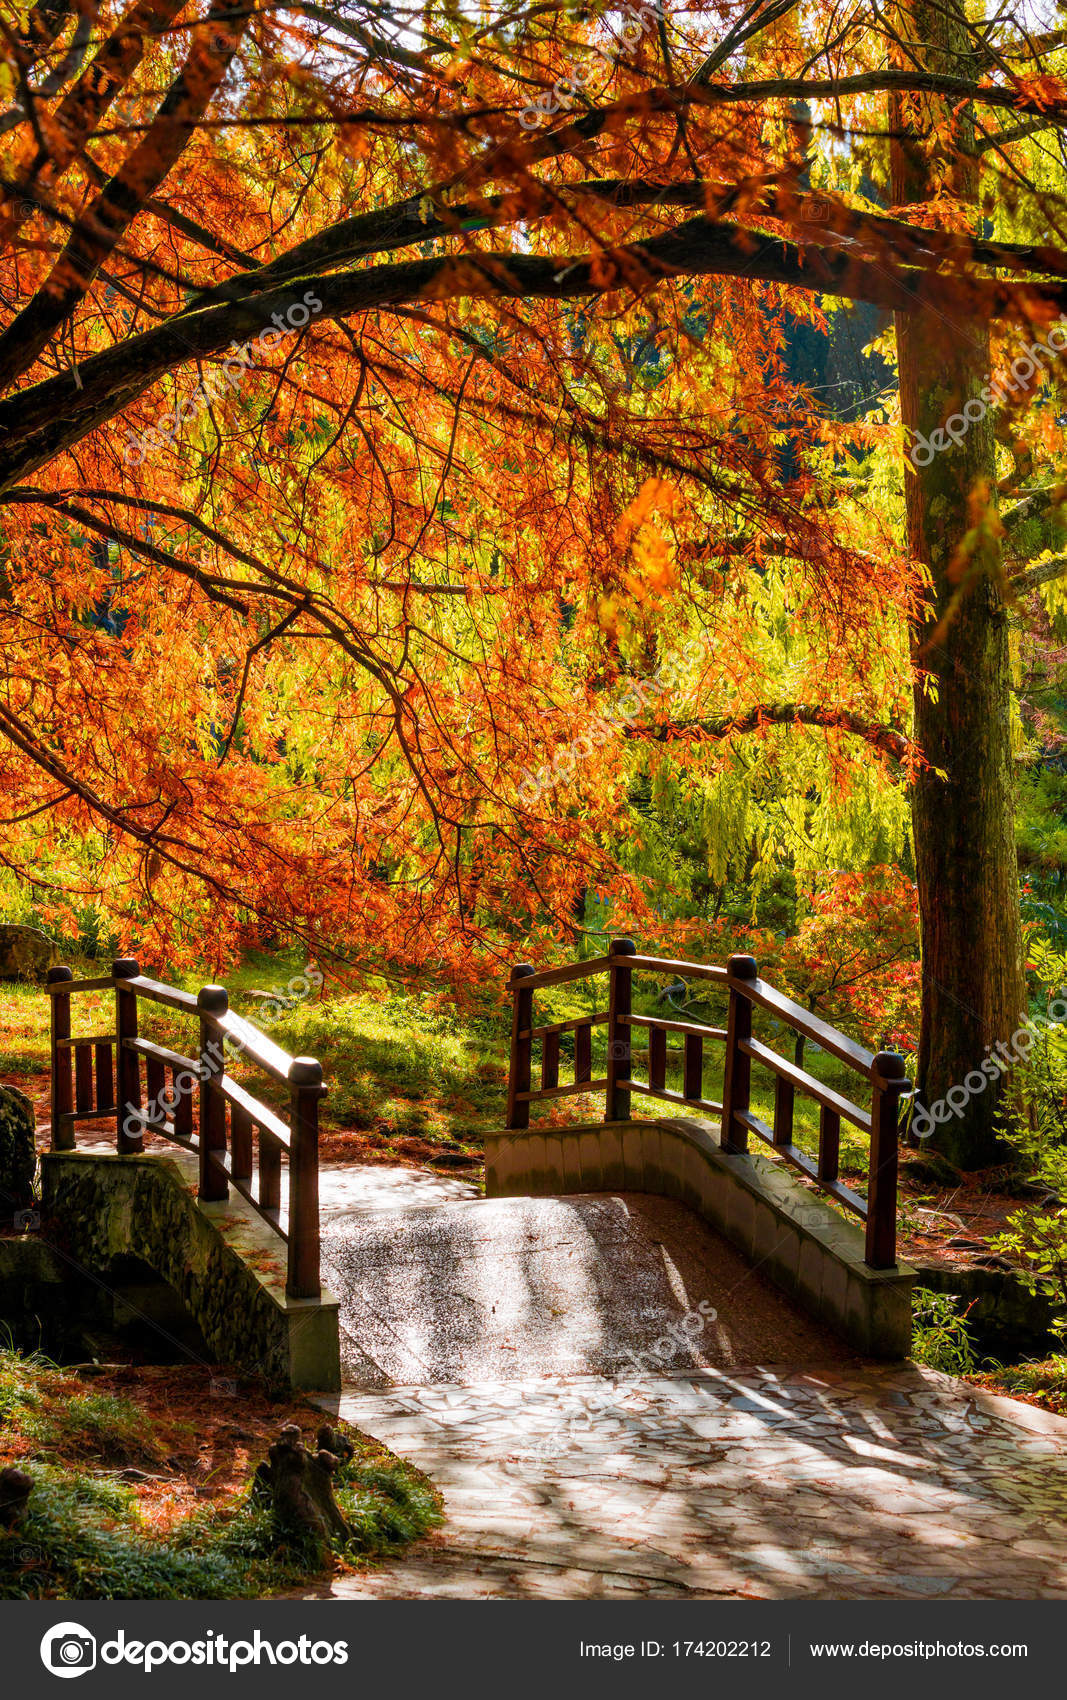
[{"x": 520, "y": 1351}]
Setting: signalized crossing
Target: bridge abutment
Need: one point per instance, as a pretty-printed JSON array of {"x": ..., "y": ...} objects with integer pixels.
[{"x": 99, "y": 1209}]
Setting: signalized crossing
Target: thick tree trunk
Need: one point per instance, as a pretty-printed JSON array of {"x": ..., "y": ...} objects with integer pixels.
[{"x": 963, "y": 806}]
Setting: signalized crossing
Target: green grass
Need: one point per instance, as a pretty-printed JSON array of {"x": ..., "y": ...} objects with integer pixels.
[
  {"x": 411, "y": 1064},
  {"x": 564, "y": 1003},
  {"x": 83, "y": 1539},
  {"x": 415, "y": 1064},
  {"x": 88, "y": 1535},
  {"x": 24, "y": 1020}
]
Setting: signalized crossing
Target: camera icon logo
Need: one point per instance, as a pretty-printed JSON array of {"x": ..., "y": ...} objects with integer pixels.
[{"x": 68, "y": 1650}]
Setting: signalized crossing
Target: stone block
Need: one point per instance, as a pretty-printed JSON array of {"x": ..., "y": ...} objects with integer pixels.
[
  {"x": 555, "y": 1174},
  {"x": 613, "y": 1169},
  {"x": 633, "y": 1158},
  {"x": 572, "y": 1166},
  {"x": 591, "y": 1161}
]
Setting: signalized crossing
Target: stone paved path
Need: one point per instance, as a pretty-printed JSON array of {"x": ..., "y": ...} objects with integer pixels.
[
  {"x": 859, "y": 1482},
  {"x": 504, "y": 1347}
]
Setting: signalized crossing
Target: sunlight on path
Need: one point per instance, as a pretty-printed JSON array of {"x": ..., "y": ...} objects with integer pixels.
[
  {"x": 855, "y": 1483},
  {"x": 503, "y": 1346}
]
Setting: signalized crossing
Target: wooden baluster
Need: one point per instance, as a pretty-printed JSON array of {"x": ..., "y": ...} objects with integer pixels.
[
  {"x": 184, "y": 1083},
  {"x": 693, "y": 1071},
  {"x": 550, "y": 1060},
  {"x": 240, "y": 1143},
  {"x": 306, "y": 1090},
  {"x": 829, "y": 1144},
  {"x": 270, "y": 1171},
  {"x": 783, "y": 1111},
  {"x": 62, "y": 1079},
  {"x": 888, "y": 1083},
  {"x": 583, "y": 1051},
  {"x": 83, "y": 1079},
  {"x": 737, "y": 1081},
  {"x": 127, "y": 1063},
  {"x": 620, "y": 998},
  {"x": 155, "y": 1086},
  {"x": 657, "y": 1057},
  {"x": 212, "y": 1001},
  {"x": 105, "y": 1078},
  {"x": 519, "y": 1071}
]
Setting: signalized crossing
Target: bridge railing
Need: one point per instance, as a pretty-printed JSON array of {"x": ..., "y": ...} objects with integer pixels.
[
  {"x": 191, "y": 1100},
  {"x": 883, "y": 1073}
]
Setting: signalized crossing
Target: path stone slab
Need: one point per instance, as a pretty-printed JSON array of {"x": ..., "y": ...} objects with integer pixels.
[{"x": 642, "y": 1511}]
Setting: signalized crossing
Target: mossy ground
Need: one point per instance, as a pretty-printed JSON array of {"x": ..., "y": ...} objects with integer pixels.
[{"x": 141, "y": 1487}]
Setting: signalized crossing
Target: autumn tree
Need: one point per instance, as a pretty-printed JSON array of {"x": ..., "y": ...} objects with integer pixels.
[{"x": 384, "y": 389}]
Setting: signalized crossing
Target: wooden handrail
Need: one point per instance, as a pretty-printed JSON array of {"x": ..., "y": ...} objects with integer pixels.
[
  {"x": 559, "y": 976},
  {"x": 156, "y": 992},
  {"x": 801, "y": 1081},
  {"x": 802, "y": 1021},
  {"x": 884, "y": 1072},
  {"x": 225, "y": 1154}
]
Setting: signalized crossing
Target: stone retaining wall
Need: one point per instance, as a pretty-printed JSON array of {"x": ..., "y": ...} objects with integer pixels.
[{"x": 223, "y": 1263}]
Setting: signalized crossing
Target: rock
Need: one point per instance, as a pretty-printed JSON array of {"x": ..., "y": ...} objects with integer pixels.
[
  {"x": 15, "y": 1489},
  {"x": 929, "y": 1168},
  {"x": 25, "y": 953},
  {"x": 18, "y": 1153}
]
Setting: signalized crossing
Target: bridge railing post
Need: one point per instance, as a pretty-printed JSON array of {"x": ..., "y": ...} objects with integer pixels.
[
  {"x": 521, "y": 1048},
  {"x": 737, "y": 1077},
  {"x": 61, "y": 1063},
  {"x": 305, "y": 1092},
  {"x": 620, "y": 1004},
  {"x": 128, "y": 1107},
  {"x": 211, "y": 1000},
  {"x": 888, "y": 1083}
]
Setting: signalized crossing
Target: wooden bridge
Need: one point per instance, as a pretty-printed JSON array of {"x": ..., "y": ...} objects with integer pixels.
[
  {"x": 240, "y": 1144},
  {"x": 191, "y": 1101},
  {"x": 883, "y": 1073}
]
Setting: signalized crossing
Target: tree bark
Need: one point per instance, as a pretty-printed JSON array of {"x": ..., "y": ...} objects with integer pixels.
[{"x": 963, "y": 802}]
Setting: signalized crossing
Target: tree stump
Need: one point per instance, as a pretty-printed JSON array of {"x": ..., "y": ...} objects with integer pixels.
[
  {"x": 298, "y": 1483},
  {"x": 15, "y": 1488}
]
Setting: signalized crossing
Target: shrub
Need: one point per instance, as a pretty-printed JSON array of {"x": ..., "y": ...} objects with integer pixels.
[{"x": 940, "y": 1337}]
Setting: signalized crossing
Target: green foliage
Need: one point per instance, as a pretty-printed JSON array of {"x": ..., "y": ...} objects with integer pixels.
[
  {"x": 1035, "y": 1125},
  {"x": 422, "y": 1066},
  {"x": 84, "y": 1535},
  {"x": 1048, "y": 1377},
  {"x": 940, "y": 1337}
]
